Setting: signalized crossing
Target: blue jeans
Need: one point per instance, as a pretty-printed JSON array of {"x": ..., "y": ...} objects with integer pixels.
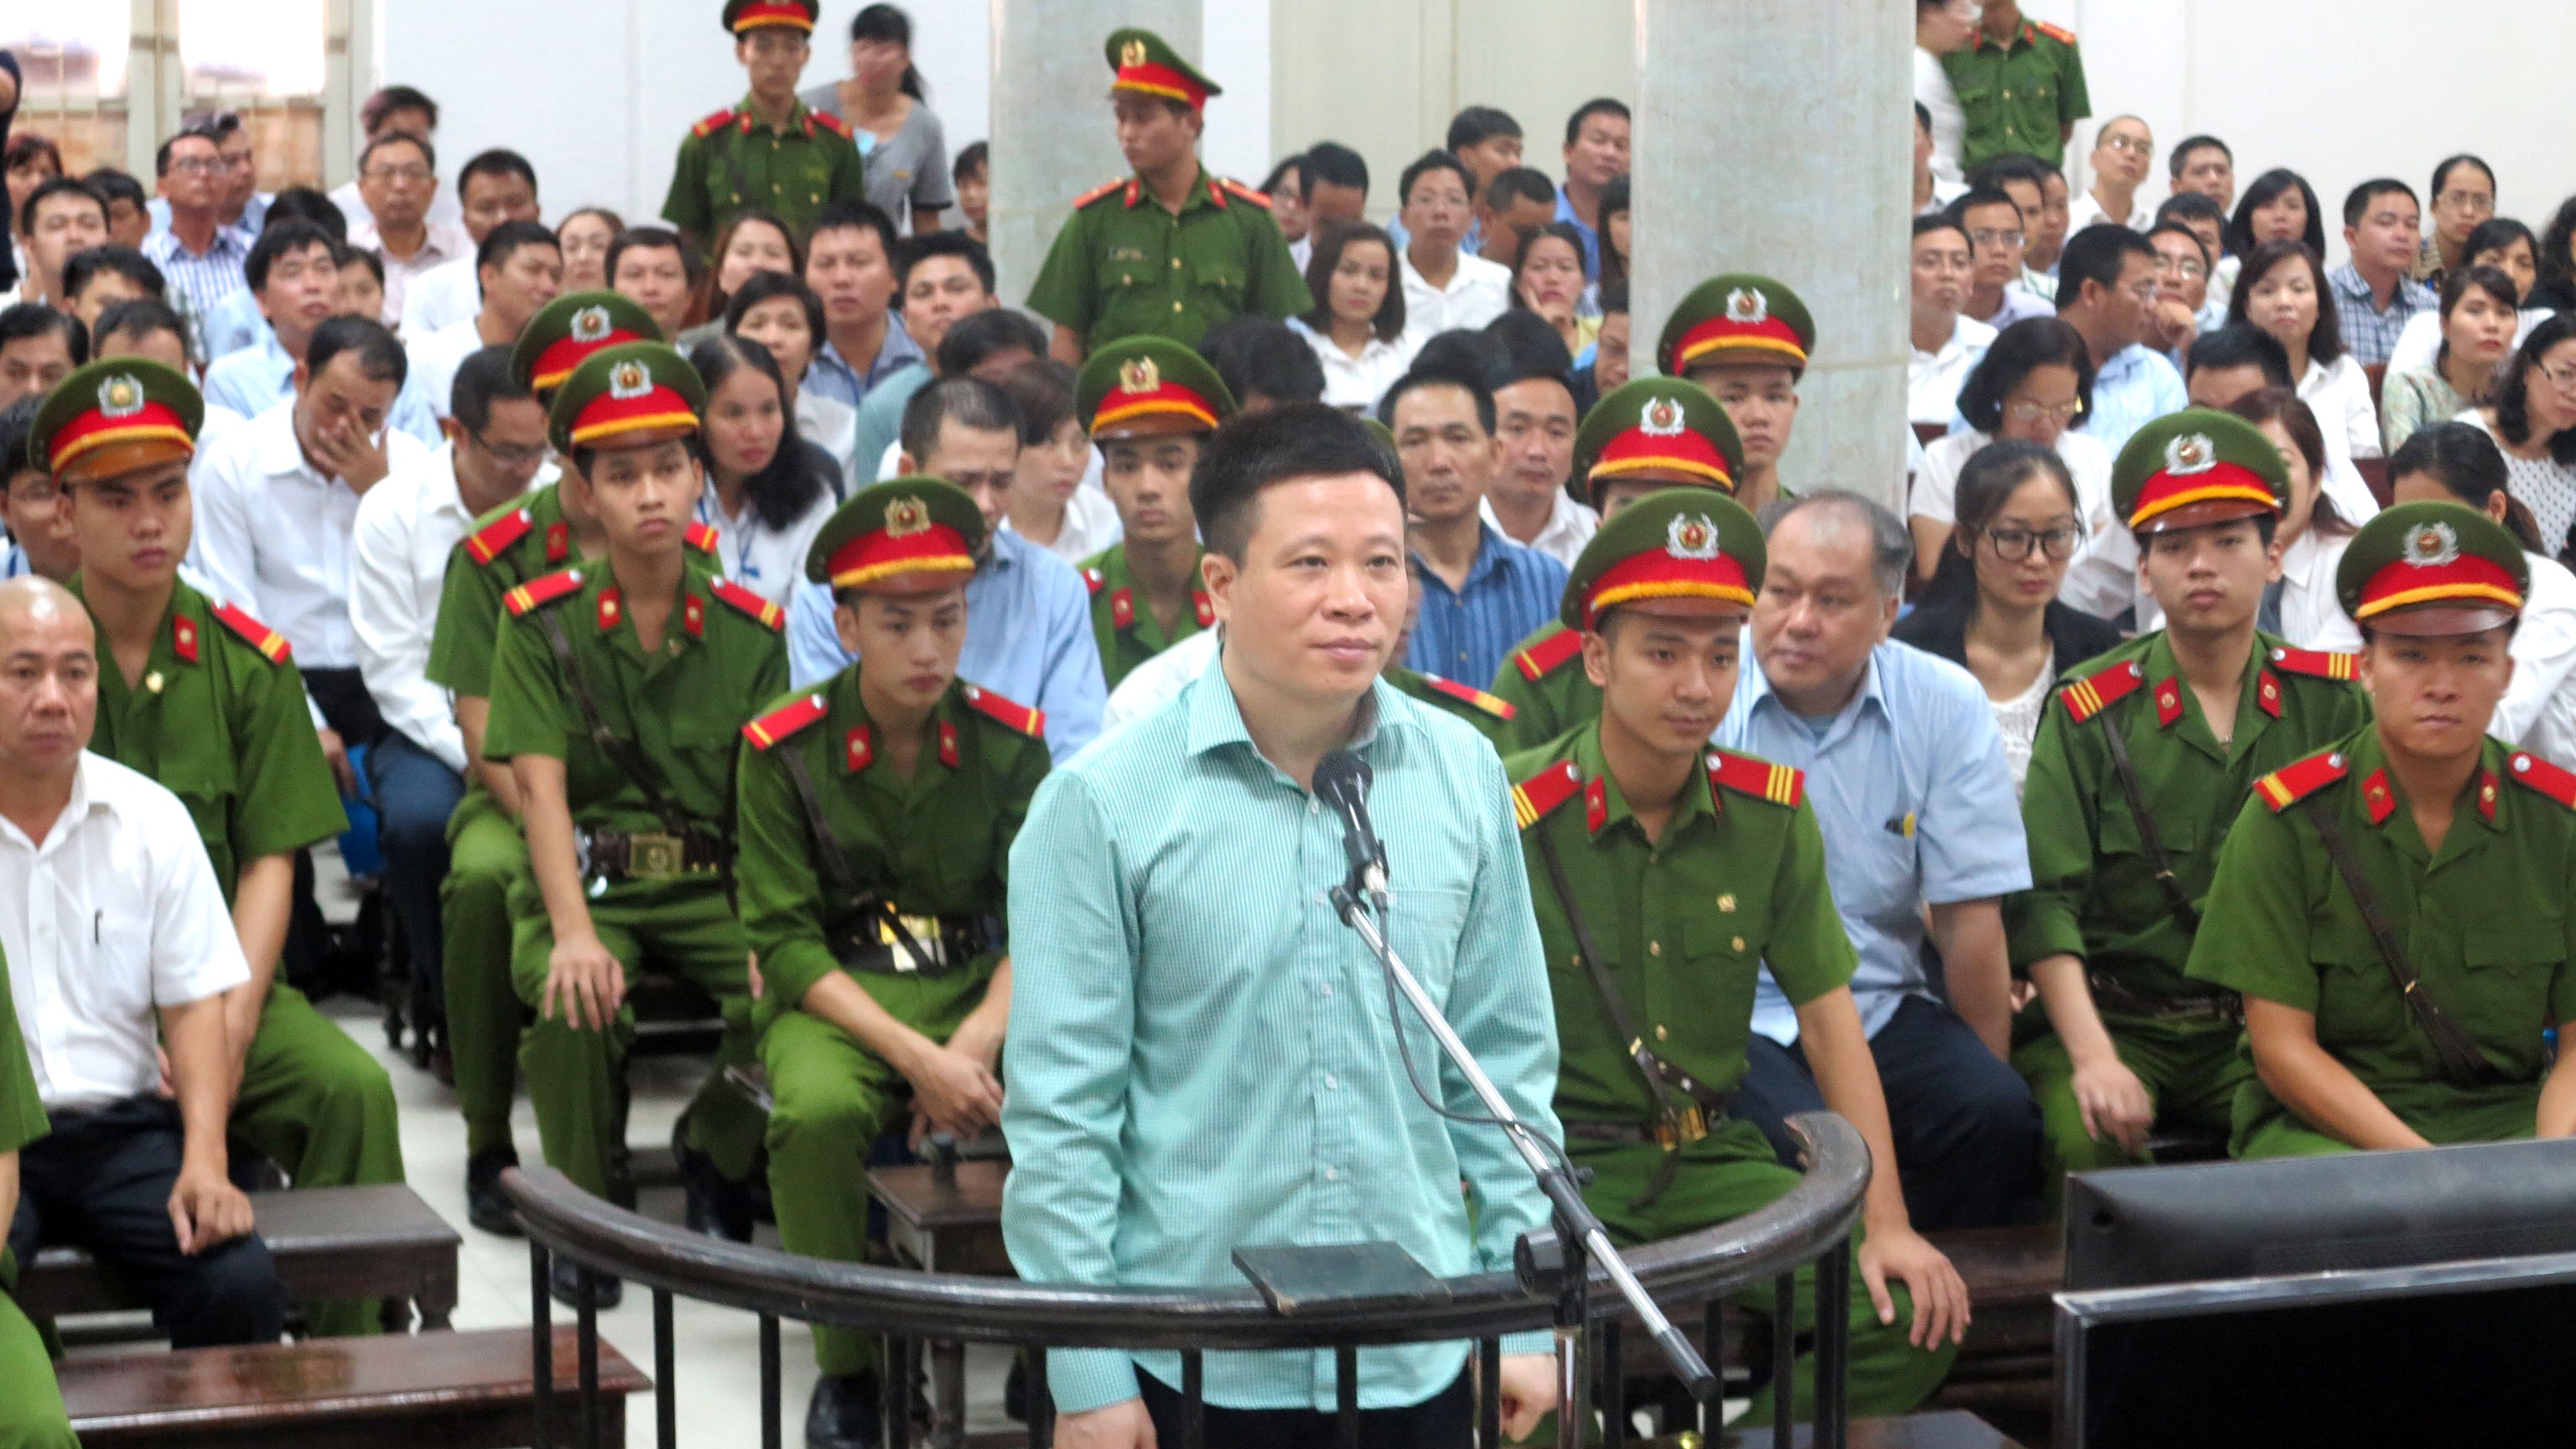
[
  {"x": 1966, "y": 1128},
  {"x": 415, "y": 793}
]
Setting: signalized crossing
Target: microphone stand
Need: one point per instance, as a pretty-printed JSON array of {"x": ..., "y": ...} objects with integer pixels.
[{"x": 1578, "y": 1238}]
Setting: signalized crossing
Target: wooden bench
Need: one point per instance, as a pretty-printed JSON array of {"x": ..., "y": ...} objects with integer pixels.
[
  {"x": 474, "y": 1390},
  {"x": 329, "y": 1243},
  {"x": 945, "y": 1216}
]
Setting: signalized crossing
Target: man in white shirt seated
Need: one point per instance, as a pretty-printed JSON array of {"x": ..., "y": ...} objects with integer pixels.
[
  {"x": 134, "y": 1172},
  {"x": 519, "y": 268},
  {"x": 1948, "y": 344},
  {"x": 1445, "y": 285},
  {"x": 497, "y": 186}
]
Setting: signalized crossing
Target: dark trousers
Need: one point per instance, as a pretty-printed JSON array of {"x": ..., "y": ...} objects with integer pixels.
[
  {"x": 101, "y": 1181},
  {"x": 341, "y": 695},
  {"x": 1967, "y": 1131},
  {"x": 306, "y": 959},
  {"x": 1446, "y": 1420},
  {"x": 415, "y": 794}
]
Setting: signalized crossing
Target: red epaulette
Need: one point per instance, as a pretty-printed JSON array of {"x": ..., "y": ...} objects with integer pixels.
[
  {"x": 769, "y": 614},
  {"x": 701, "y": 536},
  {"x": 542, "y": 591},
  {"x": 2296, "y": 781},
  {"x": 712, "y": 124},
  {"x": 1094, "y": 580},
  {"x": 2321, "y": 663},
  {"x": 1751, "y": 775},
  {"x": 1094, "y": 194},
  {"x": 1540, "y": 793},
  {"x": 2057, "y": 33},
  {"x": 1542, "y": 658},
  {"x": 783, "y": 721},
  {"x": 1471, "y": 696},
  {"x": 487, "y": 542},
  {"x": 1018, "y": 716},
  {"x": 829, "y": 122},
  {"x": 1258, "y": 198},
  {"x": 270, "y": 644},
  {"x": 2544, "y": 778},
  {"x": 2097, "y": 692}
]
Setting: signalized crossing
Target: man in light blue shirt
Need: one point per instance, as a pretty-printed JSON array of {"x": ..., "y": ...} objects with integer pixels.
[
  {"x": 294, "y": 272},
  {"x": 1482, "y": 593},
  {"x": 1200, "y": 1057},
  {"x": 1028, "y": 617},
  {"x": 2107, "y": 291},
  {"x": 1905, "y": 769}
]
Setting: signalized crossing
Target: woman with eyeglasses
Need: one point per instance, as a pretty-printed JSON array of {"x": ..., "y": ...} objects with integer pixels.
[
  {"x": 2478, "y": 323},
  {"x": 2283, "y": 291},
  {"x": 1992, "y": 606},
  {"x": 2312, "y": 534},
  {"x": 2533, "y": 420}
]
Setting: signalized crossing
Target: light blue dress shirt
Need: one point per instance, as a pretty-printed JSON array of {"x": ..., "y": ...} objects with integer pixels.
[
  {"x": 1591, "y": 238},
  {"x": 234, "y": 324},
  {"x": 1466, "y": 635},
  {"x": 259, "y": 377},
  {"x": 880, "y": 422},
  {"x": 1028, "y": 639},
  {"x": 832, "y": 375},
  {"x": 1200, "y": 1055},
  {"x": 1910, "y": 788},
  {"x": 2133, "y": 389}
]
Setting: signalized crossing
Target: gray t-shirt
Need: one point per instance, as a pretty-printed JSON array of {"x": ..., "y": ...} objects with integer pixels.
[{"x": 906, "y": 172}]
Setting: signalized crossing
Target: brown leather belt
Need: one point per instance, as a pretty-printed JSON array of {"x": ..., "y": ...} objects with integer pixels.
[{"x": 2110, "y": 994}]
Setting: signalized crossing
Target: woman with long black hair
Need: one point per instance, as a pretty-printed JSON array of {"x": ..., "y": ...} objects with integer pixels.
[{"x": 768, "y": 490}]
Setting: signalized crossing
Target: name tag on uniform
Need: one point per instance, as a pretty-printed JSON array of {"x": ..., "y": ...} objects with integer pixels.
[{"x": 1126, "y": 254}]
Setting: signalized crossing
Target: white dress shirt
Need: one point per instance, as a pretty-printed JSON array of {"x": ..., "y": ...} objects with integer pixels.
[
  {"x": 2101, "y": 577},
  {"x": 2086, "y": 211},
  {"x": 1570, "y": 525},
  {"x": 2311, "y": 616},
  {"x": 2340, "y": 397},
  {"x": 833, "y": 426},
  {"x": 444, "y": 242},
  {"x": 2538, "y": 712},
  {"x": 277, "y": 538},
  {"x": 122, "y": 866},
  {"x": 1090, "y": 525},
  {"x": 435, "y": 356},
  {"x": 1478, "y": 292},
  {"x": 1933, "y": 379},
  {"x": 1354, "y": 384},
  {"x": 1159, "y": 680},
  {"x": 2419, "y": 342},
  {"x": 407, "y": 528},
  {"x": 768, "y": 561},
  {"x": 443, "y": 296},
  {"x": 353, "y": 205}
]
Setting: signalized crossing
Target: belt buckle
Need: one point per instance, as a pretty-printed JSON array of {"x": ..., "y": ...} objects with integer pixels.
[
  {"x": 653, "y": 857},
  {"x": 933, "y": 947}
]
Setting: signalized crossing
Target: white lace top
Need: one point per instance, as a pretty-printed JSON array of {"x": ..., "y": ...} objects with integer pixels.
[{"x": 2018, "y": 719}]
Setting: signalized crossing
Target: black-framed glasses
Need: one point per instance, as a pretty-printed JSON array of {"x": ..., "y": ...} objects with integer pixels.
[
  {"x": 511, "y": 455},
  {"x": 2014, "y": 543}
]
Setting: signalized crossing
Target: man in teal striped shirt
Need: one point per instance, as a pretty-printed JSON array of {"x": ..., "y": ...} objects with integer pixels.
[{"x": 1200, "y": 1056}]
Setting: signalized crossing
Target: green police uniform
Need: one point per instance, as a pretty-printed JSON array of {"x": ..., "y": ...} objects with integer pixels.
[
  {"x": 1139, "y": 388},
  {"x": 1123, "y": 264},
  {"x": 1490, "y": 716},
  {"x": 733, "y": 159},
  {"x": 2020, "y": 95},
  {"x": 1685, "y": 922},
  {"x": 1128, "y": 632},
  {"x": 31, "y": 1404},
  {"x": 2480, "y": 929}
]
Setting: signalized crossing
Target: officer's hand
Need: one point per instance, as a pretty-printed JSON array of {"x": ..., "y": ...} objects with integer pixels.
[
  {"x": 955, "y": 1091},
  {"x": 584, "y": 984},
  {"x": 336, "y": 755},
  {"x": 751, "y": 971},
  {"x": 1528, "y": 1387},
  {"x": 1940, "y": 1295},
  {"x": 1122, "y": 1425},
  {"x": 2114, "y": 1102},
  {"x": 206, "y": 1209}
]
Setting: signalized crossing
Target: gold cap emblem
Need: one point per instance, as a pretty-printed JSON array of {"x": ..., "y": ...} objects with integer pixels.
[
  {"x": 2191, "y": 453},
  {"x": 907, "y": 516},
  {"x": 590, "y": 324},
  {"x": 1139, "y": 375},
  {"x": 1660, "y": 418},
  {"x": 629, "y": 380},
  {"x": 1691, "y": 536},
  {"x": 1132, "y": 54},
  {"x": 120, "y": 396},
  {"x": 1747, "y": 306},
  {"x": 2433, "y": 545}
]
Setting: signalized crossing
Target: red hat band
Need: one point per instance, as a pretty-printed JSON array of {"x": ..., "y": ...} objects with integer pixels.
[
  {"x": 751, "y": 16},
  {"x": 557, "y": 362},
  {"x": 882, "y": 553},
  {"x": 1681, "y": 451},
  {"x": 1160, "y": 80},
  {"x": 1663, "y": 574},
  {"x": 2467, "y": 579},
  {"x": 1124, "y": 404},
  {"x": 1769, "y": 334},
  {"x": 145, "y": 421},
  {"x": 2163, "y": 492}
]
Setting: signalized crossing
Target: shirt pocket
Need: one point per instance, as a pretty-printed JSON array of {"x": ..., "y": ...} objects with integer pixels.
[
  {"x": 1219, "y": 284},
  {"x": 2357, "y": 1001},
  {"x": 2508, "y": 969},
  {"x": 1426, "y": 926}
]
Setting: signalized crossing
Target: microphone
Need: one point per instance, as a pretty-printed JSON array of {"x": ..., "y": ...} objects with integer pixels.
[{"x": 1342, "y": 782}]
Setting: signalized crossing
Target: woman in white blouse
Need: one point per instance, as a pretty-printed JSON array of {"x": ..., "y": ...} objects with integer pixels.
[
  {"x": 2533, "y": 420},
  {"x": 1357, "y": 327},
  {"x": 768, "y": 490},
  {"x": 778, "y": 311},
  {"x": 2312, "y": 534},
  {"x": 1049, "y": 503},
  {"x": 2282, "y": 290}
]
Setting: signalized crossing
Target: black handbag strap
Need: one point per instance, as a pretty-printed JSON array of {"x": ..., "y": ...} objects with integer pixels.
[
  {"x": 2463, "y": 1065},
  {"x": 2177, "y": 900},
  {"x": 628, "y": 760}
]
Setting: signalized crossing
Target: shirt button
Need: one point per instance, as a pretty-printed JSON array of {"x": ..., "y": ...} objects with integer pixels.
[
  {"x": 1176, "y": 264},
  {"x": 1176, "y": 306},
  {"x": 1654, "y": 948},
  {"x": 1332, "y": 1174},
  {"x": 1332, "y": 1083},
  {"x": 1739, "y": 943},
  {"x": 1325, "y": 990},
  {"x": 1661, "y": 1034},
  {"x": 1314, "y": 807}
]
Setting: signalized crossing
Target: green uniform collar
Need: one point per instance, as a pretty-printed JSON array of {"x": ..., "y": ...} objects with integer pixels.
[
  {"x": 2025, "y": 38},
  {"x": 800, "y": 120},
  {"x": 1139, "y": 192},
  {"x": 604, "y": 609},
  {"x": 2258, "y": 697},
  {"x": 2382, "y": 800},
  {"x": 859, "y": 746},
  {"x": 1604, "y": 805}
]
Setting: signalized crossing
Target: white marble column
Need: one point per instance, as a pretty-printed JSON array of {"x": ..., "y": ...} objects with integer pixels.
[
  {"x": 1053, "y": 136},
  {"x": 1775, "y": 136}
]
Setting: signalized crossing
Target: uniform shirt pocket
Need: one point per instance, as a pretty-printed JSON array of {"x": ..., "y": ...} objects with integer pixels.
[{"x": 1220, "y": 282}]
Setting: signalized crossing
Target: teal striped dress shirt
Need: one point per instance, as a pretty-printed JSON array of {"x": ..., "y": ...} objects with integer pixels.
[{"x": 1200, "y": 1057}]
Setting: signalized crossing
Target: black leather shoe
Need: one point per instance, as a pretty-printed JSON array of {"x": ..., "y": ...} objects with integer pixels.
[
  {"x": 845, "y": 1413},
  {"x": 486, "y": 1205},
  {"x": 1015, "y": 1391},
  {"x": 607, "y": 1291},
  {"x": 718, "y": 1206}
]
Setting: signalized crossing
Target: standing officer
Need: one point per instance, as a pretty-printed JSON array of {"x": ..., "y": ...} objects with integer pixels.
[
  {"x": 2394, "y": 909},
  {"x": 510, "y": 546},
  {"x": 2139, "y": 771},
  {"x": 1665, "y": 876},
  {"x": 1746, "y": 338},
  {"x": 878, "y": 810},
  {"x": 1186, "y": 249},
  {"x": 1147, "y": 402},
  {"x": 31, "y": 1403},
  {"x": 200, "y": 697},
  {"x": 2021, "y": 84},
  {"x": 772, "y": 151},
  {"x": 1649, "y": 434},
  {"x": 617, "y": 687}
]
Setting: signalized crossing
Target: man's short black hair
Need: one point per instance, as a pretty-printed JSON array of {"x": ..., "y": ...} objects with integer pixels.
[
  {"x": 2191, "y": 206},
  {"x": 141, "y": 317},
  {"x": 503, "y": 241},
  {"x": 2356, "y": 202},
  {"x": 361, "y": 257},
  {"x": 1421, "y": 377},
  {"x": 2175, "y": 228},
  {"x": 970, "y": 401},
  {"x": 1476, "y": 125},
  {"x": 499, "y": 161},
  {"x": 114, "y": 186},
  {"x": 22, "y": 320},
  {"x": 971, "y": 161},
  {"x": 1614, "y": 301},
  {"x": 1475, "y": 352},
  {"x": 648, "y": 239},
  {"x": 1424, "y": 165},
  {"x": 1257, "y": 357},
  {"x": 1937, "y": 221},
  {"x": 2012, "y": 166},
  {"x": 125, "y": 262},
  {"x": 1041, "y": 390},
  {"x": 428, "y": 152},
  {"x": 284, "y": 240},
  {"x": 389, "y": 99},
  {"x": 2182, "y": 150},
  {"x": 380, "y": 357},
  {"x": 1923, "y": 117},
  {"x": 843, "y": 213},
  {"x": 17, "y": 425},
  {"x": 1334, "y": 163},
  {"x": 51, "y": 187},
  {"x": 303, "y": 203},
  {"x": 918, "y": 249},
  {"x": 1532, "y": 347},
  {"x": 1975, "y": 196},
  {"x": 482, "y": 379},
  {"x": 977, "y": 336},
  {"x": 1597, "y": 106},
  {"x": 1518, "y": 184},
  {"x": 2097, "y": 254},
  {"x": 2240, "y": 344},
  {"x": 1249, "y": 454},
  {"x": 161, "y": 157}
]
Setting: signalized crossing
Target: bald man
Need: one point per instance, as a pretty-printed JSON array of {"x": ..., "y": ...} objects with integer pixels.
[{"x": 115, "y": 927}]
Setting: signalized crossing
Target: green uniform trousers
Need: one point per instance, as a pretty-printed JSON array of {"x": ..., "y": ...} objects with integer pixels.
[
  {"x": 486, "y": 855},
  {"x": 1723, "y": 1176},
  {"x": 2507, "y": 1118},
  {"x": 2191, "y": 1070},
  {"x": 316, "y": 1104},
  {"x": 577, "y": 1077},
  {"x": 31, "y": 1404},
  {"x": 833, "y": 1098}
]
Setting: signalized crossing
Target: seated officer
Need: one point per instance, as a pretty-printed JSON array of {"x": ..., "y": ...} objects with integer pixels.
[
  {"x": 2139, "y": 770},
  {"x": 1146, "y": 401},
  {"x": 1648, "y": 435},
  {"x": 1746, "y": 339},
  {"x": 514, "y": 544},
  {"x": 31, "y": 1403},
  {"x": 204, "y": 699},
  {"x": 877, "y": 813},
  {"x": 616, "y": 691},
  {"x": 2394, "y": 908},
  {"x": 1669, "y": 873}
]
